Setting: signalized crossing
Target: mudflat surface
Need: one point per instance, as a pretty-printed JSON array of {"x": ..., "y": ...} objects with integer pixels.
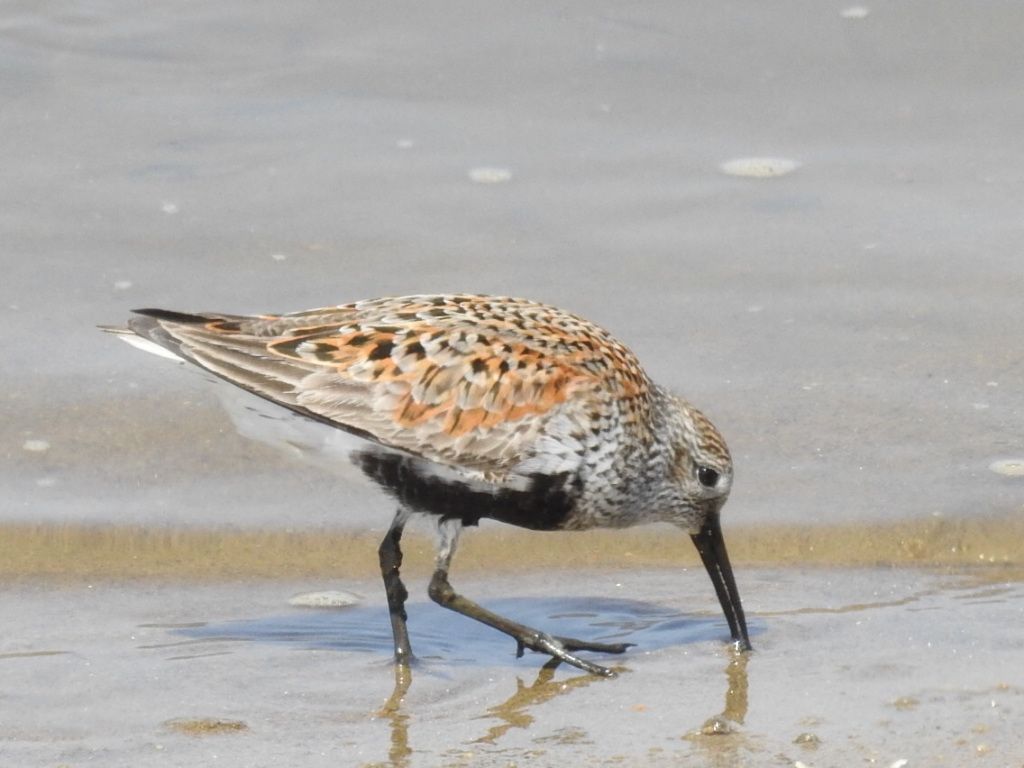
[
  {"x": 853, "y": 327},
  {"x": 851, "y": 666}
]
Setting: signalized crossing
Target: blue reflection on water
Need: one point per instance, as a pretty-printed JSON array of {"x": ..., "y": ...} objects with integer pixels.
[{"x": 438, "y": 633}]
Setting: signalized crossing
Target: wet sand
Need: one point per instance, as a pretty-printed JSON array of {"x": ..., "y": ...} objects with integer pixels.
[
  {"x": 76, "y": 552},
  {"x": 851, "y": 666}
]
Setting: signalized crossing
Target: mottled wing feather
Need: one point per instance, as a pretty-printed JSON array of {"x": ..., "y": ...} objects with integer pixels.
[{"x": 465, "y": 380}]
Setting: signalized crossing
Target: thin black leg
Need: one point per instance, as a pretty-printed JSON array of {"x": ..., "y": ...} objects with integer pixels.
[
  {"x": 390, "y": 553},
  {"x": 560, "y": 648}
]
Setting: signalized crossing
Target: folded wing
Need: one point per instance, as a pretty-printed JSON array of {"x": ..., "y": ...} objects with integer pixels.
[{"x": 479, "y": 383}]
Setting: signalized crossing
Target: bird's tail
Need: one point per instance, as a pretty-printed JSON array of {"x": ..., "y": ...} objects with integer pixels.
[{"x": 132, "y": 337}]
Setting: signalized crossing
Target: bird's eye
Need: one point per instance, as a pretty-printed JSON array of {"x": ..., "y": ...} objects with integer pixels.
[{"x": 707, "y": 476}]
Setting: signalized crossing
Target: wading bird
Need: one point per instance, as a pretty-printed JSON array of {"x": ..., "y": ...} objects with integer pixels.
[{"x": 471, "y": 407}]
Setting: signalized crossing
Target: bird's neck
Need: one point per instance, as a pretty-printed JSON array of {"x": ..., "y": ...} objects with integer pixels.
[{"x": 628, "y": 481}]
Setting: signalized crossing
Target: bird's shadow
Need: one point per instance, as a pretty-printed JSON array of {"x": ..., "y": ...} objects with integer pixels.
[{"x": 437, "y": 634}]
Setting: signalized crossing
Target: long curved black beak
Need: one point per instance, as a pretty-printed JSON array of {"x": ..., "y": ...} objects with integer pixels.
[{"x": 711, "y": 546}]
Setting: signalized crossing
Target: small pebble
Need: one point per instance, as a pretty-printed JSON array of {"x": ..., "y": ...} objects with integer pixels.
[
  {"x": 1008, "y": 467},
  {"x": 169, "y": 208},
  {"x": 279, "y": 256},
  {"x": 717, "y": 726},
  {"x": 487, "y": 175},
  {"x": 36, "y": 446},
  {"x": 122, "y": 285},
  {"x": 332, "y": 598},
  {"x": 855, "y": 12},
  {"x": 759, "y": 167},
  {"x": 899, "y": 763}
]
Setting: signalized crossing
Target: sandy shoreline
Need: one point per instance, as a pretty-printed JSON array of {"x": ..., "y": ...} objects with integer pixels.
[{"x": 74, "y": 552}]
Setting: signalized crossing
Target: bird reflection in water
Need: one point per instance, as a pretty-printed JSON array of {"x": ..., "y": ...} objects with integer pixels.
[
  {"x": 718, "y": 737},
  {"x": 400, "y": 751},
  {"x": 514, "y": 712}
]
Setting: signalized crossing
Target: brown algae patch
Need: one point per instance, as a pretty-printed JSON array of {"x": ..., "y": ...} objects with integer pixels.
[
  {"x": 112, "y": 552},
  {"x": 906, "y": 703},
  {"x": 205, "y": 726}
]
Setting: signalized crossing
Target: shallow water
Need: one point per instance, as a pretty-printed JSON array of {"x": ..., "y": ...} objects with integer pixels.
[
  {"x": 856, "y": 665},
  {"x": 853, "y": 327}
]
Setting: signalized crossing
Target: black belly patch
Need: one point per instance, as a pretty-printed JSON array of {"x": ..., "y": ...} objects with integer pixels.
[{"x": 543, "y": 506}]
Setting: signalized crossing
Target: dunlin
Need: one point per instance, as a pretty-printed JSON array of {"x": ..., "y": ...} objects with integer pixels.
[{"x": 472, "y": 407}]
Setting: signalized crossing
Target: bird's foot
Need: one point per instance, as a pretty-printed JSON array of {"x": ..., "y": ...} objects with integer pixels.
[{"x": 559, "y": 648}]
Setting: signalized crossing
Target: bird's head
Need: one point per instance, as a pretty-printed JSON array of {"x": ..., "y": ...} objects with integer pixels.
[
  {"x": 699, "y": 481},
  {"x": 700, "y": 470}
]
